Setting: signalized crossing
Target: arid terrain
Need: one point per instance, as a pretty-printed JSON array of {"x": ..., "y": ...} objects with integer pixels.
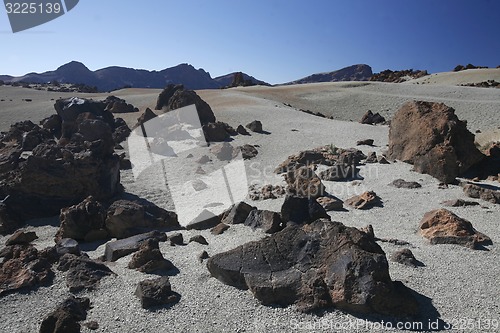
[{"x": 455, "y": 285}]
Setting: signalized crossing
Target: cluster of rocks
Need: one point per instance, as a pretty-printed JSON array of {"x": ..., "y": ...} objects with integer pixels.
[
  {"x": 55, "y": 86},
  {"x": 459, "y": 68},
  {"x": 266, "y": 192},
  {"x": 118, "y": 105},
  {"x": 398, "y": 76},
  {"x": 484, "y": 84},
  {"x": 60, "y": 162},
  {"x": 174, "y": 97}
]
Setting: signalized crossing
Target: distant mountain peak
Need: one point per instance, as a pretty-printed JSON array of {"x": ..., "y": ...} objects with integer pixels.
[
  {"x": 73, "y": 65},
  {"x": 358, "y": 72}
]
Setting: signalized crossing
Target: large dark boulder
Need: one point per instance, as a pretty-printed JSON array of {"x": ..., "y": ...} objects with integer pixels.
[
  {"x": 432, "y": 138},
  {"x": 82, "y": 272},
  {"x": 66, "y": 317},
  {"x": 174, "y": 97},
  {"x": 316, "y": 266},
  {"x": 156, "y": 292},
  {"x": 126, "y": 218}
]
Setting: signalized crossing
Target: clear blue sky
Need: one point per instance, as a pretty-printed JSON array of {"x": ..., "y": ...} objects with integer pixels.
[{"x": 273, "y": 40}]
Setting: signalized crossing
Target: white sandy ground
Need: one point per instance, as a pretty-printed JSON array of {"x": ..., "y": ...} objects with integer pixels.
[{"x": 460, "y": 283}]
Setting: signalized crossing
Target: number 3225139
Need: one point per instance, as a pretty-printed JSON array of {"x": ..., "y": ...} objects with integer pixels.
[{"x": 32, "y": 8}]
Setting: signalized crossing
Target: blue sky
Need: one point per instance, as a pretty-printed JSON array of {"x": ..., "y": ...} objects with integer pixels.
[{"x": 274, "y": 40}]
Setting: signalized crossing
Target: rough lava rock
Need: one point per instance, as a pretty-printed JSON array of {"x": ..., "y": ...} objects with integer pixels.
[
  {"x": 149, "y": 259},
  {"x": 405, "y": 257},
  {"x": 401, "y": 183},
  {"x": 23, "y": 267},
  {"x": 237, "y": 213},
  {"x": 156, "y": 292},
  {"x": 85, "y": 221},
  {"x": 304, "y": 182},
  {"x": 316, "y": 266},
  {"x": 66, "y": 316},
  {"x": 21, "y": 238},
  {"x": 432, "y": 138},
  {"x": 269, "y": 221},
  {"x": 371, "y": 118},
  {"x": 299, "y": 210},
  {"x": 483, "y": 192},
  {"x": 122, "y": 247},
  {"x": 82, "y": 272},
  {"x": 126, "y": 218},
  {"x": 255, "y": 126},
  {"x": 441, "y": 226},
  {"x": 365, "y": 200}
]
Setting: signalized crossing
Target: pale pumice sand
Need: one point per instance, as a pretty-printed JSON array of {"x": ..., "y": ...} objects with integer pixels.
[{"x": 459, "y": 283}]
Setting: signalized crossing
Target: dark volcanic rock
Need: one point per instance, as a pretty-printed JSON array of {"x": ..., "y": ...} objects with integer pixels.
[
  {"x": 300, "y": 210},
  {"x": 176, "y": 239},
  {"x": 67, "y": 245},
  {"x": 146, "y": 116},
  {"x": 122, "y": 247},
  {"x": 482, "y": 192},
  {"x": 266, "y": 192},
  {"x": 338, "y": 172},
  {"x": 241, "y": 130},
  {"x": 84, "y": 221},
  {"x": 319, "y": 265},
  {"x": 21, "y": 238},
  {"x": 401, "y": 183},
  {"x": 366, "y": 142},
  {"x": 219, "y": 229},
  {"x": 9, "y": 220},
  {"x": 166, "y": 94},
  {"x": 126, "y": 218},
  {"x": 267, "y": 220},
  {"x": 118, "y": 105},
  {"x": 156, "y": 292},
  {"x": 181, "y": 98},
  {"x": 66, "y": 317},
  {"x": 215, "y": 132},
  {"x": 459, "y": 203},
  {"x": 237, "y": 213},
  {"x": 23, "y": 267},
  {"x": 432, "y": 138},
  {"x": 149, "y": 258},
  {"x": 82, "y": 272},
  {"x": 255, "y": 126},
  {"x": 198, "y": 239},
  {"x": 248, "y": 151},
  {"x": 441, "y": 226},
  {"x": 372, "y": 119},
  {"x": 405, "y": 257}
]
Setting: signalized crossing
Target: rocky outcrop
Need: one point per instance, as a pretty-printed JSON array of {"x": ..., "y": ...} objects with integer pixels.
[
  {"x": 146, "y": 116},
  {"x": 59, "y": 174},
  {"x": 23, "y": 267},
  {"x": 149, "y": 259},
  {"x": 316, "y": 266},
  {"x": 67, "y": 316},
  {"x": 248, "y": 151},
  {"x": 85, "y": 221},
  {"x": 126, "y": 218},
  {"x": 82, "y": 272},
  {"x": 174, "y": 97},
  {"x": 330, "y": 203},
  {"x": 432, "y": 138},
  {"x": 398, "y": 76},
  {"x": 441, "y": 226},
  {"x": 359, "y": 72},
  {"x": 156, "y": 292},
  {"x": 266, "y": 192}
]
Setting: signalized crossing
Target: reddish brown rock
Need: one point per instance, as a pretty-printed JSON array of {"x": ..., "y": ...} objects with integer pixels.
[
  {"x": 149, "y": 259},
  {"x": 432, "y": 138},
  {"x": 23, "y": 267},
  {"x": 483, "y": 192},
  {"x": 365, "y": 200},
  {"x": 21, "y": 238},
  {"x": 443, "y": 227},
  {"x": 66, "y": 317},
  {"x": 304, "y": 182},
  {"x": 155, "y": 292},
  {"x": 219, "y": 229},
  {"x": 330, "y": 203}
]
